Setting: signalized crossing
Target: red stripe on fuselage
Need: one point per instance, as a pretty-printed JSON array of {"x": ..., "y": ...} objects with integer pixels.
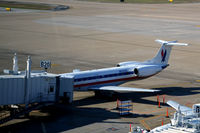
[
  {"x": 114, "y": 80},
  {"x": 109, "y": 81}
]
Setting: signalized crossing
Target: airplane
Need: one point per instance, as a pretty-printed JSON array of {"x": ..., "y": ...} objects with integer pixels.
[
  {"x": 109, "y": 79},
  {"x": 184, "y": 110},
  {"x": 185, "y": 115}
]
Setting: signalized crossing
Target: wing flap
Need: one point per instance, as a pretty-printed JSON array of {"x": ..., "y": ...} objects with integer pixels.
[{"x": 124, "y": 89}]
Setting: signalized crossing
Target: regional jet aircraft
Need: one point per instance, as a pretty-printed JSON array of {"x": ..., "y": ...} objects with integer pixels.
[
  {"x": 108, "y": 79},
  {"x": 184, "y": 110},
  {"x": 180, "y": 108}
]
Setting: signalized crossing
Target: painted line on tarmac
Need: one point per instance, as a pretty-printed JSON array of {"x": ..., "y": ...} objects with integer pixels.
[
  {"x": 151, "y": 118},
  {"x": 145, "y": 124},
  {"x": 43, "y": 128},
  {"x": 54, "y": 65}
]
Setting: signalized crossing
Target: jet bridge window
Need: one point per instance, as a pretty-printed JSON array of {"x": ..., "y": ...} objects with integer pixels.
[{"x": 51, "y": 88}]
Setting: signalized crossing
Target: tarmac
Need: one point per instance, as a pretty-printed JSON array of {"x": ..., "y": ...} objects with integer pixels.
[{"x": 96, "y": 35}]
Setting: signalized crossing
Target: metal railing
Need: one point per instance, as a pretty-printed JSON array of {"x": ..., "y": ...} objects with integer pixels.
[{"x": 4, "y": 115}]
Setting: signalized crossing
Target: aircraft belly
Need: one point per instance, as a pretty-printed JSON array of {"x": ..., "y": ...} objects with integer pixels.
[{"x": 85, "y": 88}]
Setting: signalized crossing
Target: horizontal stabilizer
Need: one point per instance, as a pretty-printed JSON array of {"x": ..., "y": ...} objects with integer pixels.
[
  {"x": 184, "y": 110},
  {"x": 124, "y": 89},
  {"x": 171, "y": 43}
]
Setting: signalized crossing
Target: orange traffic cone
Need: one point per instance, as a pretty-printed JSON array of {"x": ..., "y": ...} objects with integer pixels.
[
  {"x": 158, "y": 103},
  {"x": 162, "y": 121},
  {"x": 167, "y": 115}
]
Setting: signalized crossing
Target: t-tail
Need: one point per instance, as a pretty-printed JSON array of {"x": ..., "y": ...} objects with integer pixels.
[{"x": 163, "y": 54}]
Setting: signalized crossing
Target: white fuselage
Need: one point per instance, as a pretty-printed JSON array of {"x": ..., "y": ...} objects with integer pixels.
[{"x": 114, "y": 76}]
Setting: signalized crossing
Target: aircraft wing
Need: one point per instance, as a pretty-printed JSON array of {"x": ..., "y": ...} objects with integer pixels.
[
  {"x": 184, "y": 110},
  {"x": 124, "y": 89}
]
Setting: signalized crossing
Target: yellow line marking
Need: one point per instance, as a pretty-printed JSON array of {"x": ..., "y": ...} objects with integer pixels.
[
  {"x": 198, "y": 80},
  {"x": 54, "y": 65},
  {"x": 145, "y": 124},
  {"x": 197, "y": 25},
  {"x": 150, "y": 118}
]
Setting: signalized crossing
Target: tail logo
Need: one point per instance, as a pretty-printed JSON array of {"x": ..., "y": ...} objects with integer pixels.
[{"x": 163, "y": 54}]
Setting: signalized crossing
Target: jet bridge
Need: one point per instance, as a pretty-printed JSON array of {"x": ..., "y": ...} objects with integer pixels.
[
  {"x": 17, "y": 89},
  {"x": 66, "y": 88},
  {"x": 30, "y": 89},
  {"x": 29, "y": 86}
]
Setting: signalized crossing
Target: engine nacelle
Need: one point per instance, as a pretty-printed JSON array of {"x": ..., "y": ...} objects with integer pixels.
[
  {"x": 146, "y": 71},
  {"x": 127, "y": 63}
]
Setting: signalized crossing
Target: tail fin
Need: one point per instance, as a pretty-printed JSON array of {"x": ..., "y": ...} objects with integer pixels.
[{"x": 163, "y": 54}]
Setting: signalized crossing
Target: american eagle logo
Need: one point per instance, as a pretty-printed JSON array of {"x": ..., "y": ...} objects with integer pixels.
[{"x": 163, "y": 54}]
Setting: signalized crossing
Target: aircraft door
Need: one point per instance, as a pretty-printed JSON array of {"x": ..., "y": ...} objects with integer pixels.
[{"x": 51, "y": 92}]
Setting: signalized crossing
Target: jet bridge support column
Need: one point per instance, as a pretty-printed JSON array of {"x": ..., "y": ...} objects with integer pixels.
[
  {"x": 27, "y": 81},
  {"x": 15, "y": 64}
]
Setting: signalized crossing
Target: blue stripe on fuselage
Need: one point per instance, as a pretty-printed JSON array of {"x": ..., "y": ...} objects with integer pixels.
[{"x": 103, "y": 76}]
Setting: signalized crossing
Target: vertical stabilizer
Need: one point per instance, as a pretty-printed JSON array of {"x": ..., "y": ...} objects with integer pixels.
[{"x": 163, "y": 54}]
